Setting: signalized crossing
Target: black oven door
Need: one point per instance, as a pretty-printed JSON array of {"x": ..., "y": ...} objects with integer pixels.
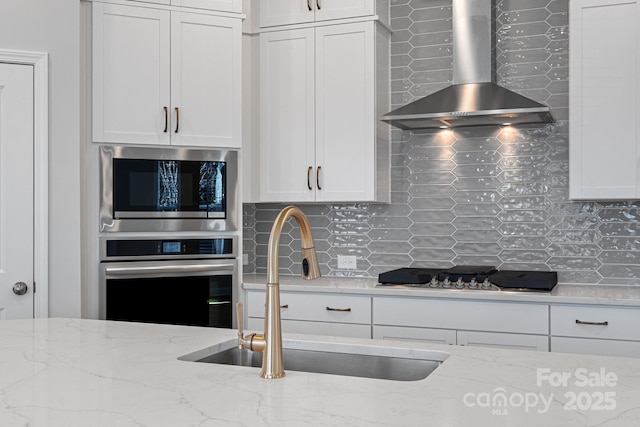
[{"x": 195, "y": 293}]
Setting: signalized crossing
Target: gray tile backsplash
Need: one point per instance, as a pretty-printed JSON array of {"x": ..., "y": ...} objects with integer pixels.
[{"x": 475, "y": 195}]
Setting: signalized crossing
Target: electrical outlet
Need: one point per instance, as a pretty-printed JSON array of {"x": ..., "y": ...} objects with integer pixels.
[
  {"x": 347, "y": 262},
  {"x": 245, "y": 259}
]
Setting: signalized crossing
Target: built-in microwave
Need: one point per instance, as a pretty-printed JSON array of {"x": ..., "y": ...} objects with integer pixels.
[{"x": 168, "y": 189}]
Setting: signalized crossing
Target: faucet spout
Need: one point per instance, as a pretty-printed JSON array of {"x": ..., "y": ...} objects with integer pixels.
[{"x": 270, "y": 343}]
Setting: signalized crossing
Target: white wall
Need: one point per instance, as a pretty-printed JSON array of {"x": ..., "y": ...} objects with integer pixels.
[{"x": 53, "y": 27}]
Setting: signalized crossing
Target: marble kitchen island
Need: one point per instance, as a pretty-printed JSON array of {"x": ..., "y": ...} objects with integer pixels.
[{"x": 72, "y": 372}]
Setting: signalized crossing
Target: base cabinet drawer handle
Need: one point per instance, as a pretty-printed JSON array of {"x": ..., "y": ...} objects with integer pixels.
[
  {"x": 581, "y": 322},
  {"x": 338, "y": 309},
  {"x": 284, "y": 306}
]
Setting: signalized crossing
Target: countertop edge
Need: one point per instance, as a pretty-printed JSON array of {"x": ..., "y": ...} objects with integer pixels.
[{"x": 613, "y": 295}]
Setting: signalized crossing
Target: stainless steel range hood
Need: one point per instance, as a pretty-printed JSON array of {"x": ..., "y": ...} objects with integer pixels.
[{"x": 473, "y": 99}]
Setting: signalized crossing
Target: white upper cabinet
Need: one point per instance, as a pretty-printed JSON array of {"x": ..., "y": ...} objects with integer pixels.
[
  {"x": 206, "y": 80},
  {"x": 285, "y": 12},
  {"x": 319, "y": 93},
  {"x": 165, "y": 77},
  {"x": 219, "y": 5},
  {"x": 604, "y": 92}
]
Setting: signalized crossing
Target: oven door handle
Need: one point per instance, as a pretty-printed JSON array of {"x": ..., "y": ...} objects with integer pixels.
[{"x": 163, "y": 269}]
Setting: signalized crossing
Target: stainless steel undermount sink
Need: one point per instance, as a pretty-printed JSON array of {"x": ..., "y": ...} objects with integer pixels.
[{"x": 379, "y": 362}]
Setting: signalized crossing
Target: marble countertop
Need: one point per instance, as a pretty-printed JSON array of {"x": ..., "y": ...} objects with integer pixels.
[
  {"x": 72, "y": 372},
  {"x": 561, "y": 294}
]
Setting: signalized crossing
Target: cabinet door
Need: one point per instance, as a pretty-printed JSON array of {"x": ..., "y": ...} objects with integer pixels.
[
  {"x": 130, "y": 74},
  {"x": 513, "y": 341},
  {"x": 336, "y": 9},
  {"x": 283, "y": 12},
  {"x": 206, "y": 55},
  {"x": 604, "y": 99},
  {"x": 345, "y": 112},
  {"x": 595, "y": 346},
  {"x": 287, "y": 148}
]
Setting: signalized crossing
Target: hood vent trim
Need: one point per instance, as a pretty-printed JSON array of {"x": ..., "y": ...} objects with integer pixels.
[{"x": 473, "y": 99}]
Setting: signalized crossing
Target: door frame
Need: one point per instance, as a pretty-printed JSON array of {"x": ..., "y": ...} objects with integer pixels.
[{"x": 40, "y": 63}]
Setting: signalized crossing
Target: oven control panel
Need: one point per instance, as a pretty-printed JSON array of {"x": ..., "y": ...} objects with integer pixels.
[{"x": 114, "y": 249}]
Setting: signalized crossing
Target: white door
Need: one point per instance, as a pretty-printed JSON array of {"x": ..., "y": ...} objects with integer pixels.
[
  {"x": 16, "y": 191},
  {"x": 131, "y": 74},
  {"x": 336, "y": 9},
  {"x": 206, "y": 95},
  {"x": 287, "y": 123},
  {"x": 345, "y": 112},
  {"x": 283, "y": 12}
]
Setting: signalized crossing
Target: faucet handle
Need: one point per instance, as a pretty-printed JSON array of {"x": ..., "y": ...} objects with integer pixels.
[{"x": 239, "y": 317}]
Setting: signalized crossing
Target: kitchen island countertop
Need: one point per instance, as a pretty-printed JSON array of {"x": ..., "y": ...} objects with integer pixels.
[{"x": 72, "y": 372}]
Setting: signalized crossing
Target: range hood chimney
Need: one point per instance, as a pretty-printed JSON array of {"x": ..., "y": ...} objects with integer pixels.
[{"x": 473, "y": 99}]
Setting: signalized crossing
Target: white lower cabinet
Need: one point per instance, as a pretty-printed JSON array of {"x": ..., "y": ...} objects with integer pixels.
[
  {"x": 469, "y": 323},
  {"x": 567, "y": 328},
  {"x": 603, "y": 330},
  {"x": 316, "y": 314}
]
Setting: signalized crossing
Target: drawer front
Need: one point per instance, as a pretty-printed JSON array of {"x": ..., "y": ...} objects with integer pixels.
[
  {"x": 595, "y": 322},
  {"x": 521, "y": 318},
  {"x": 315, "y": 328},
  {"x": 315, "y": 307},
  {"x": 428, "y": 335},
  {"x": 595, "y": 346},
  {"x": 501, "y": 340}
]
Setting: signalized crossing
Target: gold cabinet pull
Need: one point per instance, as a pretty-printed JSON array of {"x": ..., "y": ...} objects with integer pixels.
[
  {"x": 318, "y": 4},
  {"x": 581, "y": 322},
  {"x": 318, "y": 177},
  {"x": 309, "y": 5},
  {"x": 166, "y": 119},
  {"x": 177, "y": 119},
  {"x": 338, "y": 309},
  {"x": 309, "y": 177}
]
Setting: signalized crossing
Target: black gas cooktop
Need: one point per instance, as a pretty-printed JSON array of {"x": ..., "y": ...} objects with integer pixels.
[{"x": 470, "y": 277}]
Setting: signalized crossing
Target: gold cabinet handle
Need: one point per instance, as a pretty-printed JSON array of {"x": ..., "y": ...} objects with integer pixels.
[
  {"x": 309, "y": 177},
  {"x": 338, "y": 309},
  {"x": 581, "y": 322},
  {"x": 177, "y": 119},
  {"x": 318, "y": 4},
  {"x": 318, "y": 177},
  {"x": 309, "y": 5},
  {"x": 166, "y": 119}
]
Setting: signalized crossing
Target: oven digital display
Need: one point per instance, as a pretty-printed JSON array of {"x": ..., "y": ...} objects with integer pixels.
[{"x": 171, "y": 247}]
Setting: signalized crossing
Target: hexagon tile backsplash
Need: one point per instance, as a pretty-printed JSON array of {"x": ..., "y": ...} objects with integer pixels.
[{"x": 477, "y": 195}]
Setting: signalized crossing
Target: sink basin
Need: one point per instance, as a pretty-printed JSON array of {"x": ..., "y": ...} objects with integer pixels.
[{"x": 379, "y": 362}]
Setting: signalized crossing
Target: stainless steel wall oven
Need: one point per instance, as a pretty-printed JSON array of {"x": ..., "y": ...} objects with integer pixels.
[
  {"x": 168, "y": 189},
  {"x": 183, "y": 281}
]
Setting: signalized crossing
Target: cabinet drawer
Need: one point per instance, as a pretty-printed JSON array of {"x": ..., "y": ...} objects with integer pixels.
[
  {"x": 595, "y": 322},
  {"x": 315, "y": 328},
  {"x": 500, "y": 340},
  {"x": 399, "y": 333},
  {"x": 522, "y": 318},
  {"x": 315, "y": 307},
  {"x": 595, "y": 346}
]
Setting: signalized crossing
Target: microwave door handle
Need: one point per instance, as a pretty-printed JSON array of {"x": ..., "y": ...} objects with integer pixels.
[{"x": 191, "y": 268}]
